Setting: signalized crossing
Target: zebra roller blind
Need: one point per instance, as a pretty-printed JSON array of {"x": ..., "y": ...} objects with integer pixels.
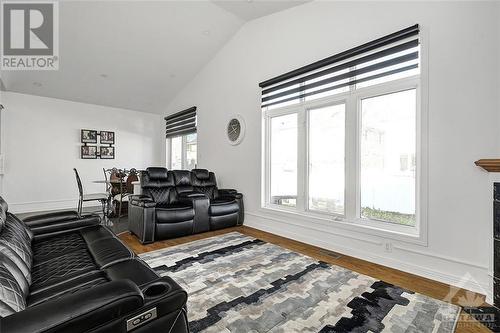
[
  {"x": 181, "y": 123},
  {"x": 391, "y": 57}
]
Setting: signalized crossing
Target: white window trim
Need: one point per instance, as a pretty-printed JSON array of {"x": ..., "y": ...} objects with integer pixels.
[{"x": 413, "y": 234}]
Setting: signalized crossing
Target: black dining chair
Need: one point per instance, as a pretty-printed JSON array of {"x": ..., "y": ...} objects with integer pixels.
[{"x": 101, "y": 197}]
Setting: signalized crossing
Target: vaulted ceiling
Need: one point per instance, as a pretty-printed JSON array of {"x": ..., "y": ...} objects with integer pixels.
[{"x": 136, "y": 54}]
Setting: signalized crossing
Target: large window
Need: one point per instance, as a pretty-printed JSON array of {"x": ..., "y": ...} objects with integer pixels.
[
  {"x": 308, "y": 147},
  {"x": 388, "y": 151},
  {"x": 181, "y": 136},
  {"x": 176, "y": 155},
  {"x": 284, "y": 160},
  {"x": 181, "y": 152},
  {"x": 327, "y": 158},
  {"x": 342, "y": 138}
]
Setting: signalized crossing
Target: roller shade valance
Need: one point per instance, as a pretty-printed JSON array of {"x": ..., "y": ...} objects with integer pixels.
[
  {"x": 181, "y": 123},
  {"x": 389, "y": 57}
]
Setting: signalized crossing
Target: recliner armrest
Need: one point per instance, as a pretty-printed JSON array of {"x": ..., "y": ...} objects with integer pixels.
[
  {"x": 142, "y": 201},
  {"x": 42, "y": 219},
  {"x": 164, "y": 291},
  {"x": 43, "y": 227},
  {"x": 78, "y": 312},
  {"x": 142, "y": 217},
  {"x": 226, "y": 192},
  {"x": 235, "y": 195}
]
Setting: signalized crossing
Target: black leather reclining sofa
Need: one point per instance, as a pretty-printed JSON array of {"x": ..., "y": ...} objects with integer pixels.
[
  {"x": 179, "y": 203},
  {"x": 61, "y": 273}
]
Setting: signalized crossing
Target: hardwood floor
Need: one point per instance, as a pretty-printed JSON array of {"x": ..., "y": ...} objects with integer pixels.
[{"x": 412, "y": 282}]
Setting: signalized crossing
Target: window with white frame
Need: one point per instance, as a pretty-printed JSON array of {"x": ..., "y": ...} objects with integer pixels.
[
  {"x": 341, "y": 135},
  {"x": 181, "y": 140},
  {"x": 182, "y": 152}
]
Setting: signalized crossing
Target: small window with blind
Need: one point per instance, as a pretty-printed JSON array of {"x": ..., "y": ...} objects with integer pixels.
[
  {"x": 181, "y": 139},
  {"x": 341, "y": 135}
]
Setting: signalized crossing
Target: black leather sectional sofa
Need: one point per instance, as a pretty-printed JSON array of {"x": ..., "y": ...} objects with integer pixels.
[
  {"x": 61, "y": 273},
  {"x": 179, "y": 203}
]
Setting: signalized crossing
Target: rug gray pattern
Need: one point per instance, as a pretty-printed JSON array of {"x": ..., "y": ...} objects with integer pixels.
[{"x": 237, "y": 283}]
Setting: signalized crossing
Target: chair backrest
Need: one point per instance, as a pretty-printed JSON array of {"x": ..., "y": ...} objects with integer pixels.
[
  {"x": 158, "y": 183},
  {"x": 132, "y": 177},
  {"x": 182, "y": 180},
  {"x": 107, "y": 185},
  {"x": 79, "y": 183},
  {"x": 114, "y": 174},
  {"x": 114, "y": 178},
  {"x": 204, "y": 181},
  {"x": 164, "y": 186}
]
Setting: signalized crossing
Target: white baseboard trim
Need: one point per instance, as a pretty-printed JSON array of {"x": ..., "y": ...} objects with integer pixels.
[
  {"x": 41, "y": 206},
  {"x": 279, "y": 228}
]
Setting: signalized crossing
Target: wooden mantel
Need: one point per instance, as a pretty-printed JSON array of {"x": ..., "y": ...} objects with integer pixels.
[{"x": 490, "y": 165}]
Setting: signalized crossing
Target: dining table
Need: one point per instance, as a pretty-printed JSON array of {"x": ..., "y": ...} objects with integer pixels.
[
  {"x": 114, "y": 183},
  {"x": 137, "y": 184},
  {"x": 108, "y": 182}
]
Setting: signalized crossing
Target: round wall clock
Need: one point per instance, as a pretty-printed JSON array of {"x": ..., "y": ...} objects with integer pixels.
[{"x": 235, "y": 130}]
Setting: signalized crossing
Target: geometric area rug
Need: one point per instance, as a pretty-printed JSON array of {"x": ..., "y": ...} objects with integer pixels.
[{"x": 237, "y": 283}]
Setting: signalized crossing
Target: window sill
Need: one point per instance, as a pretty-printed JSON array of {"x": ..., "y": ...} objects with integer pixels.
[{"x": 407, "y": 234}]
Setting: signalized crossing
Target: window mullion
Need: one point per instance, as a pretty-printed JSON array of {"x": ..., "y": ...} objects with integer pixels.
[{"x": 351, "y": 159}]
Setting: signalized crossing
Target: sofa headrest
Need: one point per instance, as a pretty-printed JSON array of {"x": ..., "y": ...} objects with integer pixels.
[
  {"x": 156, "y": 177},
  {"x": 203, "y": 178},
  {"x": 4, "y": 207},
  {"x": 157, "y": 173},
  {"x": 182, "y": 177},
  {"x": 201, "y": 173}
]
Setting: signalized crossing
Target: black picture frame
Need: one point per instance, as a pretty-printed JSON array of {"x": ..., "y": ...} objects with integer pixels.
[
  {"x": 107, "y": 137},
  {"x": 88, "y": 136},
  {"x": 88, "y": 152},
  {"x": 107, "y": 153}
]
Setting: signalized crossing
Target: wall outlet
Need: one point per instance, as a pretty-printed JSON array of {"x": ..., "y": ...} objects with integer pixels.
[{"x": 388, "y": 247}]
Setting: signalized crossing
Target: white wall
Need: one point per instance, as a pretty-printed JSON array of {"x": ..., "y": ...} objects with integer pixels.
[
  {"x": 463, "y": 122},
  {"x": 41, "y": 145}
]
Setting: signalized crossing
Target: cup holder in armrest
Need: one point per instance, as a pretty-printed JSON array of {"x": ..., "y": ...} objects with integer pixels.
[{"x": 156, "y": 289}]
